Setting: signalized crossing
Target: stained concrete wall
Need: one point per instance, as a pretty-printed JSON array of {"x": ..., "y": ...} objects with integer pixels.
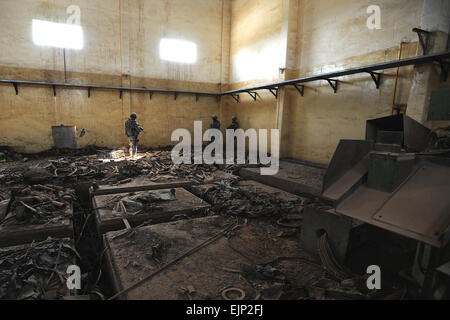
[
  {"x": 241, "y": 43},
  {"x": 427, "y": 78},
  {"x": 256, "y": 56},
  {"x": 286, "y": 39},
  {"x": 333, "y": 36},
  {"x": 317, "y": 37},
  {"x": 121, "y": 48}
]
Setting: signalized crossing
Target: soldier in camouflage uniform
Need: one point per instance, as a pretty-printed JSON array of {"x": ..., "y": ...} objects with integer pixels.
[
  {"x": 234, "y": 125},
  {"x": 216, "y": 123},
  {"x": 132, "y": 130}
]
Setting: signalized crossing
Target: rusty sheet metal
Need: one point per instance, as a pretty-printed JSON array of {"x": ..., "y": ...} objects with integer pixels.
[
  {"x": 347, "y": 155},
  {"x": 348, "y": 182},
  {"x": 422, "y": 205},
  {"x": 416, "y": 135},
  {"x": 420, "y": 209},
  {"x": 363, "y": 204}
]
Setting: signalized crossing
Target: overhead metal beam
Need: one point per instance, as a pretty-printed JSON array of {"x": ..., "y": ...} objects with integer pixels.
[
  {"x": 98, "y": 87},
  {"x": 371, "y": 69},
  {"x": 347, "y": 72}
]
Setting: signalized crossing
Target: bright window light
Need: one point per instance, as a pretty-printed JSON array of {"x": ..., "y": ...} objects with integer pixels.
[
  {"x": 60, "y": 35},
  {"x": 178, "y": 51}
]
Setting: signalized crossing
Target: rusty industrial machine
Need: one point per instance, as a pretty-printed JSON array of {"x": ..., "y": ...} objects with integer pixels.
[{"x": 395, "y": 184}]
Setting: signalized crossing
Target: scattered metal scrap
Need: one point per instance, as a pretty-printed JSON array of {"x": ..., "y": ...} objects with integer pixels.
[
  {"x": 227, "y": 198},
  {"x": 105, "y": 168},
  {"x": 36, "y": 271},
  {"x": 134, "y": 204},
  {"x": 40, "y": 204}
]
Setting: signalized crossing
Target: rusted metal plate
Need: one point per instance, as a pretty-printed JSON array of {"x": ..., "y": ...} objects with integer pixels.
[
  {"x": 64, "y": 137},
  {"x": 185, "y": 203},
  {"x": 363, "y": 204},
  {"x": 422, "y": 205},
  {"x": 419, "y": 210}
]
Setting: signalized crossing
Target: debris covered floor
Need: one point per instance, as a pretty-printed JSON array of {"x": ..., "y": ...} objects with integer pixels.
[{"x": 149, "y": 229}]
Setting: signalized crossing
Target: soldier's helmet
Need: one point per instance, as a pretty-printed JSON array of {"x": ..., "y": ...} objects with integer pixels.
[
  {"x": 214, "y": 117},
  {"x": 133, "y": 116},
  {"x": 234, "y": 118}
]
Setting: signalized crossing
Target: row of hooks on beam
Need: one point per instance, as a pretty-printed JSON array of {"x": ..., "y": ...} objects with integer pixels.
[
  {"x": 424, "y": 40},
  {"x": 151, "y": 93},
  {"x": 334, "y": 84},
  {"x": 254, "y": 95},
  {"x": 16, "y": 89}
]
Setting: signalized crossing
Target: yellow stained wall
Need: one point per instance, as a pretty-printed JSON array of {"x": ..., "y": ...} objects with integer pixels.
[
  {"x": 121, "y": 48},
  {"x": 317, "y": 122},
  {"x": 333, "y": 36},
  {"x": 323, "y": 36},
  {"x": 256, "y": 55},
  {"x": 277, "y": 40},
  {"x": 241, "y": 43}
]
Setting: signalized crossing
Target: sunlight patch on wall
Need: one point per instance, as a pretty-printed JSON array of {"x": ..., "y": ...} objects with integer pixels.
[
  {"x": 179, "y": 51},
  {"x": 59, "y": 35},
  {"x": 259, "y": 62}
]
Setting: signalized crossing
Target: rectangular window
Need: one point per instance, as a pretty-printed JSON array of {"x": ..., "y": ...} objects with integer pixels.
[
  {"x": 59, "y": 35},
  {"x": 180, "y": 51}
]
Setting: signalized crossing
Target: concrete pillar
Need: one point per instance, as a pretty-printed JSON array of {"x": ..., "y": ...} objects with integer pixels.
[
  {"x": 125, "y": 15},
  {"x": 427, "y": 78},
  {"x": 289, "y": 32},
  {"x": 226, "y": 44}
]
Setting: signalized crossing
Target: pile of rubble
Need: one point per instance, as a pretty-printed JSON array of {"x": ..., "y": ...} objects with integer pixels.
[
  {"x": 7, "y": 155},
  {"x": 227, "y": 198},
  {"x": 134, "y": 204},
  {"x": 40, "y": 204},
  {"x": 36, "y": 271},
  {"x": 102, "y": 169}
]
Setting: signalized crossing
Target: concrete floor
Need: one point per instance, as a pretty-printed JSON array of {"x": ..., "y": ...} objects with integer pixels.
[{"x": 261, "y": 257}]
